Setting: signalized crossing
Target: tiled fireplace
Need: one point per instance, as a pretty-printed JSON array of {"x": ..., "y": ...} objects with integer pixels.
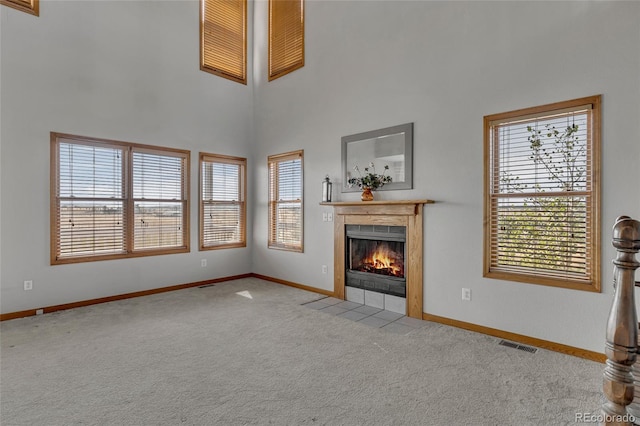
[{"x": 378, "y": 253}]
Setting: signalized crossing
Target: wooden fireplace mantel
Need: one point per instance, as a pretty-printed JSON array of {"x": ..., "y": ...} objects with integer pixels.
[
  {"x": 407, "y": 213},
  {"x": 362, "y": 205}
]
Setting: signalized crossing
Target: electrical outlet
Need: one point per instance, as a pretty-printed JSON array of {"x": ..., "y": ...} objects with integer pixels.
[
  {"x": 39, "y": 311},
  {"x": 466, "y": 294},
  {"x": 203, "y": 263},
  {"x": 329, "y": 217},
  {"x": 28, "y": 285},
  {"x": 324, "y": 269},
  {"x": 324, "y": 216}
]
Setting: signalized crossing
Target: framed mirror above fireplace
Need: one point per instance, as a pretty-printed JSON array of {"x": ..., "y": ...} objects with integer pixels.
[{"x": 391, "y": 147}]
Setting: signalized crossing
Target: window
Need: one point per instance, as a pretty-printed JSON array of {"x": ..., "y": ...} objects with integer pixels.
[
  {"x": 113, "y": 199},
  {"x": 223, "y": 38},
  {"x": 28, "y": 6},
  {"x": 222, "y": 201},
  {"x": 285, "y": 201},
  {"x": 286, "y": 37},
  {"x": 542, "y": 195}
]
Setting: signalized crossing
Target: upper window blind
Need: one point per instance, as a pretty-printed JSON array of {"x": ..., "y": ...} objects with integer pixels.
[
  {"x": 113, "y": 199},
  {"x": 222, "y": 201},
  {"x": 286, "y": 37},
  {"x": 542, "y": 198},
  {"x": 223, "y": 38},
  {"x": 29, "y": 6},
  {"x": 285, "y": 201}
]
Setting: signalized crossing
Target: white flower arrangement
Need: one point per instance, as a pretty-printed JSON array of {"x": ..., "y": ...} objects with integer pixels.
[{"x": 370, "y": 179}]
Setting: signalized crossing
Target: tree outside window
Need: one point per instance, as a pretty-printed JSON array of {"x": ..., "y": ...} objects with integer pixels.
[{"x": 542, "y": 195}]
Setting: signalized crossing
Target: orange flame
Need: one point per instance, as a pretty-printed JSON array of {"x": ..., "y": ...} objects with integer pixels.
[{"x": 385, "y": 258}]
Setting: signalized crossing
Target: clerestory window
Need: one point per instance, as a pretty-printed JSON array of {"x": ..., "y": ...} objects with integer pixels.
[
  {"x": 223, "y": 38},
  {"x": 29, "y": 6},
  {"x": 542, "y": 195},
  {"x": 286, "y": 37}
]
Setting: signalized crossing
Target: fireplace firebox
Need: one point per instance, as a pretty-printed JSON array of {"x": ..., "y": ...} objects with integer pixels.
[{"x": 374, "y": 258}]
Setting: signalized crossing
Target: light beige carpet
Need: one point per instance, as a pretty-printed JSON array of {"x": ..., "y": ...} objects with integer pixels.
[{"x": 247, "y": 353}]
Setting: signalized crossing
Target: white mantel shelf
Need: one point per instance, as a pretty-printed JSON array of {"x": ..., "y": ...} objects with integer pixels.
[{"x": 407, "y": 213}]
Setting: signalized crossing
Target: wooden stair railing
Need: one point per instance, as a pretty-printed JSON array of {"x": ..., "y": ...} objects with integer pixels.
[
  {"x": 634, "y": 407},
  {"x": 621, "y": 375}
]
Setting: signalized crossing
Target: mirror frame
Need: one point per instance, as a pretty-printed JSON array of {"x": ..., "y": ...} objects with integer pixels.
[{"x": 407, "y": 129}]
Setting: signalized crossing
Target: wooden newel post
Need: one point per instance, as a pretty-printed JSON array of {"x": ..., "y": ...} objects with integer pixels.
[{"x": 622, "y": 327}]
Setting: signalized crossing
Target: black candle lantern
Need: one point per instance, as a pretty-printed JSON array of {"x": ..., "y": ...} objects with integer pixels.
[{"x": 326, "y": 190}]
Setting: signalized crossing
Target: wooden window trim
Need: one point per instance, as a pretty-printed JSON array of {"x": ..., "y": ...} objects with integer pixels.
[
  {"x": 31, "y": 7},
  {"x": 273, "y": 204},
  {"x": 242, "y": 162},
  {"x": 128, "y": 201},
  {"x": 279, "y": 28},
  {"x": 218, "y": 43},
  {"x": 593, "y": 283}
]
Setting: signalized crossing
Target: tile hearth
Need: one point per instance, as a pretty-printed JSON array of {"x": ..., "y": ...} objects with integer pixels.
[{"x": 368, "y": 315}]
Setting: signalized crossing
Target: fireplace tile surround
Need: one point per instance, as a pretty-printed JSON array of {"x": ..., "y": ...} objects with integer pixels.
[
  {"x": 387, "y": 302},
  {"x": 402, "y": 213}
]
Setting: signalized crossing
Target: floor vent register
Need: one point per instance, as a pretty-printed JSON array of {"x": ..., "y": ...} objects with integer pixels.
[{"x": 517, "y": 346}]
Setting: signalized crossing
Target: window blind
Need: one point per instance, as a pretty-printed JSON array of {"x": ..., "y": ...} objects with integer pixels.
[
  {"x": 222, "y": 201},
  {"x": 159, "y": 199},
  {"x": 286, "y": 37},
  {"x": 29, "y": 6},
  {"x": 223, "y": 34},
  {"x": 90, "y": 209},
  {"x": 285, "y": 201},
  {"x": 113, "y": 199},
  {"x": 542, "y": 204}
]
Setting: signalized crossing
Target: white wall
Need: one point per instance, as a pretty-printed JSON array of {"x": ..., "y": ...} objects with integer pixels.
[
  {"x": 443, "y": 66},
  {"x": 88, "y": 68},
  {"x": 123, "y": 70}
]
